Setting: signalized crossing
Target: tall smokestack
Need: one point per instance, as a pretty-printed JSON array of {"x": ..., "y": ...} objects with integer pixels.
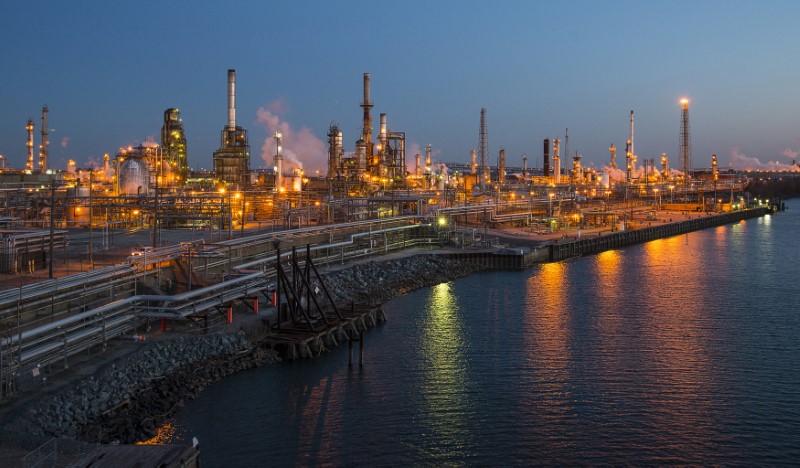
[
  {"x": 43, "y": 151},
  {"x": 232, "y": 99},
  {"x": 366, "y": 89},
  {"x": 418, "y": 167},
  {"x": 633, "y": 151},
  {"x": 546, "y": 164},
  {"x": 383, "y": 132},
  {"x": 367, "y": 105},
  {"x": 501, "y": 166},
  {"x": 524, "y": 166}
]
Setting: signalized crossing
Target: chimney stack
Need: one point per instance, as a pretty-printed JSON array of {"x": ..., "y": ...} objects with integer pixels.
[{"x": 232, "y": 99}]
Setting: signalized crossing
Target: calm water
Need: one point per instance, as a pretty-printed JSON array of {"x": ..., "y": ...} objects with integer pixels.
[{"x": 682, "y": 350}]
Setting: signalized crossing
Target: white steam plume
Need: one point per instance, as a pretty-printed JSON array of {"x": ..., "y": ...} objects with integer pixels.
[
  {"x": 744, "y": 162},
  {"x": 411, "y": 162},
  {"x": 301, "y": 148},
  {"x": 64, "y": 142}
]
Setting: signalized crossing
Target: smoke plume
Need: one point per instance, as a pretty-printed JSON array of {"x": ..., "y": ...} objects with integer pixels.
[
  {"x": 743, "y": 162},
  {"x": 411, "y": 162},
  {"x": 301, "y": 148},
  {"x": 790, "y": 153},
  {"x": 64, "y": 142}
]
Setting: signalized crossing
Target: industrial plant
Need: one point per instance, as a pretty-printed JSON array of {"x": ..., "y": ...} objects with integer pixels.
[{"x": 209, "y": 240}]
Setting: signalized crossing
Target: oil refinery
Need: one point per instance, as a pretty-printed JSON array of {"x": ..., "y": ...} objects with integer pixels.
[{"x": 151, "y": 186}]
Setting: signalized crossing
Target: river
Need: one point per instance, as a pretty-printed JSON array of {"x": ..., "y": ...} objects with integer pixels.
[{"x": 681, "y": 350}]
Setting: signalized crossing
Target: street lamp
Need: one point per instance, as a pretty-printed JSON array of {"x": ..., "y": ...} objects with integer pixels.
[
  {"x": 658, "y": 203},
  {"x": 671, "y": 200},
  {"x": 551, "y": 195}
]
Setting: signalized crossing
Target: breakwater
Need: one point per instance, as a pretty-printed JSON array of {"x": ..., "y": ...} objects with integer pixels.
[{"x": 128, "y": 400}]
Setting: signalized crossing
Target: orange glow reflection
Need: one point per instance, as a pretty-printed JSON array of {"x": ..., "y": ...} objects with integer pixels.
[
  {"x": 675, "y": 322},
  {"x": 548, "y": 349},
  {"x": 164, "y": 435}
]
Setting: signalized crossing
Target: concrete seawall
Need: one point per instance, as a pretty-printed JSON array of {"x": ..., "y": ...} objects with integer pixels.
[
  {"x": 623, "y": 238},
  {"x": 508, "y": 259}
]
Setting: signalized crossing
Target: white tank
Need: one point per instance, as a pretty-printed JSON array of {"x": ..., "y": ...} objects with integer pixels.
[
  {"x": 134, "y": 178},
  {"x": 605, "y": 180}
]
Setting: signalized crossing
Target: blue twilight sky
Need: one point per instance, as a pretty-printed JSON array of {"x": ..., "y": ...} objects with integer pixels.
[{"x": 108, "y": 70}]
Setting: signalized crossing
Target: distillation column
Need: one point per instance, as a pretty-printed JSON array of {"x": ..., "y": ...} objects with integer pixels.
[
  {"x": 546, "y": 161},
  {"x": 483, "y": 150},
  {"x": 278, "y": 161},
  {"x": 613, "y": 151},
  {"x": 501, "y": 166},
  {"x": 473, "y": 164},
  {"x": 556, "y": 161},
  {"x": 524, "y": 166},
  {"x": 29, "y": 144},
  {"x": 633, "y": 152},
  {"x": 366, "y": 132},
  {"x": 43, "y": 150}
]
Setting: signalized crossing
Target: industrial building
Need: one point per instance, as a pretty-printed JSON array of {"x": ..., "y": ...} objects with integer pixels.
[
  {"x": 232, "y": 159},
  {"x": 380, "y": 164},
  {"x": 173, "y": 140}
]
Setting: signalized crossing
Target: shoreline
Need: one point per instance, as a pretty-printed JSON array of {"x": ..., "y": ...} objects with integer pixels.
[
  {"x": 128, "y": 418},
  {"x": 127, "y": 399}
]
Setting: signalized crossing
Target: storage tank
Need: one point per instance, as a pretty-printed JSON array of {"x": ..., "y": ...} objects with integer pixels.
[
  {"x": 134, "y": 178},
  {"x": 605, "y": 180}
]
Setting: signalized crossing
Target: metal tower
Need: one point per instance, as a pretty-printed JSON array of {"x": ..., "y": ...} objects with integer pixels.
[
  {"x": 29, "y": 145},
  {"x": 633, "y": 151},
  {"x": 613, "y": 150},
  {"x": 685, "y": 140},
  {"x": 366, "y": 131},
  {"x": 43, "y": 150},
  {"x": 173, "y": 141},
  {"x": 483, "y": 150}
]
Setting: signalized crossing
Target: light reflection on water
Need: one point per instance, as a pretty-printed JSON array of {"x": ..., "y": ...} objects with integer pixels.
[
  {"x": 682, "y": 350},
  {"x": 443, "y": 376}
]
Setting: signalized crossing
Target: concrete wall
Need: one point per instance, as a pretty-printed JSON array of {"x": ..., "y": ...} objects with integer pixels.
[{"x": 623, "y": 238}]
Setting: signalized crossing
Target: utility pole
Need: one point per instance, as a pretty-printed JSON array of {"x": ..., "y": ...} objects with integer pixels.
[
  {"x": 154, "y": 241},
  {"x": 52, "y": 209},
  {"x": 244, "y": 205},
  {"x": 91, "y": 259}
]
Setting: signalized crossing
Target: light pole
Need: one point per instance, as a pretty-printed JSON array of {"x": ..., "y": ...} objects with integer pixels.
[
  {"x": 550, "y": 210},
  {"x": 52, "y": 210},
  {"x": 658, "y": 202},
  {"x": 671, "y": 199}
]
